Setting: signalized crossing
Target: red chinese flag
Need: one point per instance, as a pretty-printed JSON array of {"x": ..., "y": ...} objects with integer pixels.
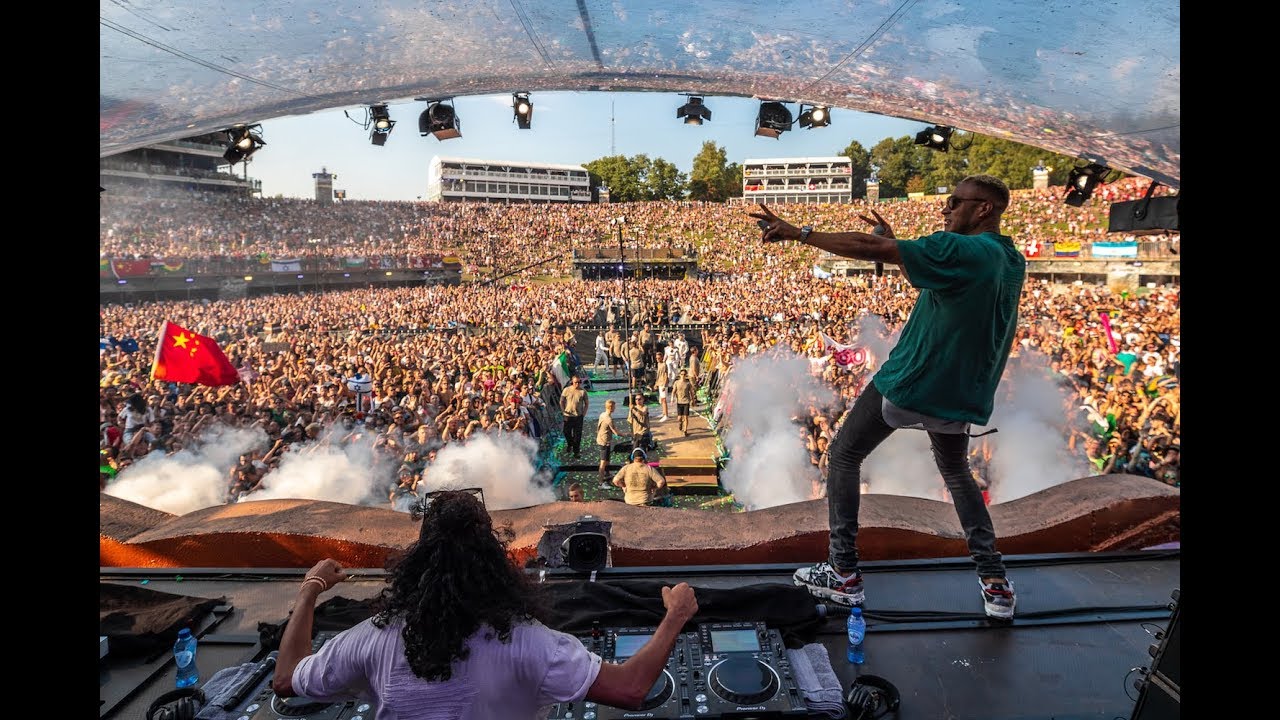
[{"x": 183, "y": 356}]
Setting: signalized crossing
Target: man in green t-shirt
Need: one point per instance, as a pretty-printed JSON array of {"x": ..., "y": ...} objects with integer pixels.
[{"x": 941, "y": 377}]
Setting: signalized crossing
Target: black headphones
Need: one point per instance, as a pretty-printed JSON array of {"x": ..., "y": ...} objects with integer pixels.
[
  {"x": 186, "y": 702},
  {"x": 871, "y": 697}
]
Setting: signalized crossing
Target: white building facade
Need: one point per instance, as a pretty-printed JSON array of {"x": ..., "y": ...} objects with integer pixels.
[
  {"x": 802, "y": 179},
  {"x": 468, "y": 180}
]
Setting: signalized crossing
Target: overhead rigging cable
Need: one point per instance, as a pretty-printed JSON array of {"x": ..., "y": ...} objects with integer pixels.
[
  {"x": 204, "y": 63},
  {"x": 1138, "y": 132},
  {"x": 889, "y": 22},
  {"x": 528, "y": 30}
]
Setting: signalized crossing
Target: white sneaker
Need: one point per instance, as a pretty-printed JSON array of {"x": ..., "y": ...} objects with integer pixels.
[
  {"x": 823, "y": 582},
  {"x": 998, "y": 599},
  {"x": 664, "y": 418}
]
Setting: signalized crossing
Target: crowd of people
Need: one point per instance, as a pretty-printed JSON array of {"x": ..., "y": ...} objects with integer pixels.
[
  {"x": 448, "y": 363},
  {"x": 212, "y": 228}
]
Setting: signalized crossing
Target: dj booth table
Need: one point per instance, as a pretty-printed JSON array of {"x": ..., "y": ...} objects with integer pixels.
[{"x": 1084, "y": 620}]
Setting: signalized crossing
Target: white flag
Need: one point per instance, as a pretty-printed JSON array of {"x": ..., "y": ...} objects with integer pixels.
[{"x": 844, "y": 355}]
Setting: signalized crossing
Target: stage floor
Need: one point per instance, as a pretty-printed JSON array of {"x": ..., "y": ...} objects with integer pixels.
[{"x": 1083, "y": 621}]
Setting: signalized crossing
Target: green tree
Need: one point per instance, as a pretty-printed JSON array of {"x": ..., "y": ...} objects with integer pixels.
[
  {"x": 733, "y": 180},
  {"x": 946, "y": 169},
  {"x": 664, "y": 181},
  {"x": 637, "y": 178},
  {"x": 1012, "y": 162},
  {"x": 620, "y": 175},
  {"x": 861, "y": 169},
  {"x": 707, "y": 178},
  {"x": 899, "y": 159}
]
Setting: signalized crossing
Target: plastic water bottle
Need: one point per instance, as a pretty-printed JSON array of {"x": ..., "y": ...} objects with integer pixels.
[
  {"x": 184, "y": 654},
  {"x": 857, "y": 631}
]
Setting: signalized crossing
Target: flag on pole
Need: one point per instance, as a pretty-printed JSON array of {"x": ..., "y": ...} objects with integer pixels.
[
  {"x": 844, "y": 355},
  {"x": 184, "y": 356},
  {"x": 560, "y": 368}
]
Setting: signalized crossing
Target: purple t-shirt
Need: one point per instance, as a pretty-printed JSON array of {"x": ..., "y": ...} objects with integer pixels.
[{"x": 502, "y": 681}]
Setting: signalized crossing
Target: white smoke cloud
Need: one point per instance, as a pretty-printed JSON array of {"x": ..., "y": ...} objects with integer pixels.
[
  {"x": 198, "y": 477},
  {"x": 326, "y": 470},
  {"x": 1030, "y": 453},
  {"x": 502, "y": 465},
  {"x": 769, "y": 464},
  {"x": 190, "y": 479},
  {"x": 874, "y": 335}
]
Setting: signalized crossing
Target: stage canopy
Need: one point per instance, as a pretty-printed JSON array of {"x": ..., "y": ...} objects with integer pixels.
[{"x": 1097, "y": 80}]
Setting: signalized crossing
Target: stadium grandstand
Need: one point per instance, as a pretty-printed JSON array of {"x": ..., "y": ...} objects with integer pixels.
[
  {"x": 194, "y": 164},
  {"x": 503, "y": 181},
  {"x": 797, "y": 180}
]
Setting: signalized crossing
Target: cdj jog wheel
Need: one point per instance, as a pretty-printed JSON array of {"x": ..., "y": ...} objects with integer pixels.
[
  {"x": 296, "y": 706},
  {"x": 660, "y": 692},
  {"x": 744, "y": 681}
]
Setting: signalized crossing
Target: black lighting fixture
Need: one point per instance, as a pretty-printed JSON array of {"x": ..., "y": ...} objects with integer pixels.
[
  {"x": 937, "y": 138},
  {"x": 773, "y": 119},
  {"x": 242, "y": 141},
  {"x": 440, "y": 120},
  {"x": 587, "y": 548},
  {"x": 815, "y": 116},
  {"x": 522, "y": 106},
  {"x": 380, "y": 124},
  {"x": 693, "y": 112},
  {"x": 1082, "y": 181}
]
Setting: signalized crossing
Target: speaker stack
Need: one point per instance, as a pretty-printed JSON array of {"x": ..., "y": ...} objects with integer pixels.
[{"x": 1159, "y": 690}]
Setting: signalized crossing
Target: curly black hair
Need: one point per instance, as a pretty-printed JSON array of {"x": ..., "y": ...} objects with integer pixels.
[{"x": 456, "y": 578}]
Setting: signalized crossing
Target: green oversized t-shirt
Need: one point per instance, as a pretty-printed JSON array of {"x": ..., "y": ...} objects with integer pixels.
[{"x": 953, "y": 349}]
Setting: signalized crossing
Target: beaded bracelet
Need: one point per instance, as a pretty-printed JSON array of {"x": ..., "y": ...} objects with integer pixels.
[{"x": 323, "y": 585}]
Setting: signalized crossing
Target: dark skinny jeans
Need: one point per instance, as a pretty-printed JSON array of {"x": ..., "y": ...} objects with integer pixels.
[{"x": 863, "y": 431}]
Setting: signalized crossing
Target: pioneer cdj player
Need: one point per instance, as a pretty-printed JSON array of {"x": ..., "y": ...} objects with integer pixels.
[
  {"x": 724, "y": 670},
  {"x": 260, "y": 703}
]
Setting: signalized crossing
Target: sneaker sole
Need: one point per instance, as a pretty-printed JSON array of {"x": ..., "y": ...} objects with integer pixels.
[
  {"x": 834, "y": 596},
  {"x": 998, "y": 612}
]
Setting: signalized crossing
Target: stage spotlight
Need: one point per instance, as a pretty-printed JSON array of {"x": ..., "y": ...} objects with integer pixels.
[
  {"x": 773, "y": 120},
  {"x": 523, "y": 108},
  {"x": 381, "y": 124},
  {"x": 937, "y": 138},
  {"x": 242, "y": 142},
  {"x": 693, "y": 112},
  {"x": 439, "y": 120},
  {"x": 815, "y": 117},
  {"x": 1082, "y": 181}
]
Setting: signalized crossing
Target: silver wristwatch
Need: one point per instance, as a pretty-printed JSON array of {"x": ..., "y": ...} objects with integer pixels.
[{"x": 804, "y": 232}]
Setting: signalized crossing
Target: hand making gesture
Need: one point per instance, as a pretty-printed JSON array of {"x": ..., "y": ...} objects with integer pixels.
[
  {"x": 774, "y": 228},
  {"x": 879, "y": 224}
]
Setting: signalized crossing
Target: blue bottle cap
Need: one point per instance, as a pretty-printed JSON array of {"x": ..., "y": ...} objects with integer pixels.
[
  {"x": 184, "y": 632},
  {"x": 856, "y": 612}
]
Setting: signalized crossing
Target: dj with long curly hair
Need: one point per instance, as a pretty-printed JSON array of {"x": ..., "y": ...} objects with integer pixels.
[{"x": 457, "y": 634}]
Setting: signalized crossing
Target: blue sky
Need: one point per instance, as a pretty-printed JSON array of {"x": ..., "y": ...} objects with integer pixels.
[{"x": 568, "y": 127}]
